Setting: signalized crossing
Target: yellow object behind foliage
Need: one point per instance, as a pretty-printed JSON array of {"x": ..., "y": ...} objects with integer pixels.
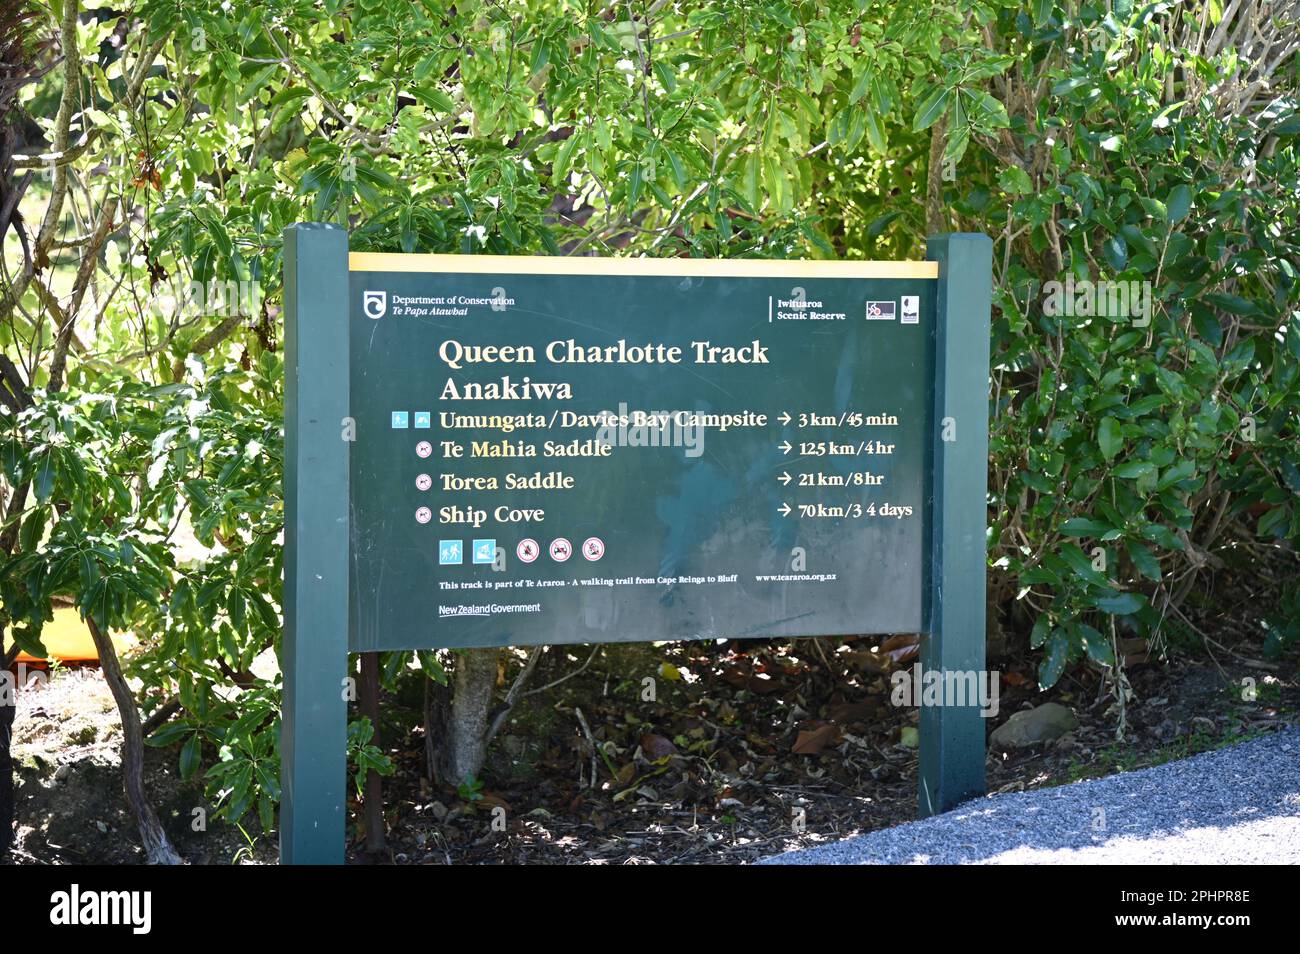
[{"x": 67, "y": 638}]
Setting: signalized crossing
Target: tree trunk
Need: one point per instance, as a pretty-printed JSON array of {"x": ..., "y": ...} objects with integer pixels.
[
  {"x": 935, "y": 220},
  {"x": 6, "y": 775},
  {"x": 464, "y": 745},
  {"x": 368, "y": 704},
  {"x": 158, "y": 849}
]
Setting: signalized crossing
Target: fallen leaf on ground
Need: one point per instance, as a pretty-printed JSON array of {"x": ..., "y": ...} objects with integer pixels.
[
  {"x": 902, "y": 649},
  {"x": 812, "y": 741},
  {"x": 656, "y": 747},
  {"x": 847, "y": 712}
]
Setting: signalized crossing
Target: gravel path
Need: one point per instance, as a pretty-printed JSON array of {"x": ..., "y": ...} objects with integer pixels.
[{"x": 1239, "y": 805}]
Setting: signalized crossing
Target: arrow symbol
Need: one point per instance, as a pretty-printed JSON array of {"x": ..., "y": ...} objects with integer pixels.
[
  {"x": 785, "y": 478},
  {"x": 785, "y": 447},
  {"x": 785, "y": 417},
  {"x": 784, "y": 509}
]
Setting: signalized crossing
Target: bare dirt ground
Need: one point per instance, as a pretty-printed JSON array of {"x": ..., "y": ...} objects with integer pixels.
[
  {"x": 746, "y": 749},
  {"x": 69, "y": 800}
]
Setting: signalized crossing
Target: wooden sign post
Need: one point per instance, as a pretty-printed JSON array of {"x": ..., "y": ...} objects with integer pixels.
[{"x": 499, "y": 451}]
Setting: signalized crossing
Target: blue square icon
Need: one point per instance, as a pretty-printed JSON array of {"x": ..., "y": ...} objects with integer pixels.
[
  {"x": 423, "y": 419},
  {"x": 449, "y": 553},
  {"x": 399, "y": 420},
  {"x": 485, "y": 551}
]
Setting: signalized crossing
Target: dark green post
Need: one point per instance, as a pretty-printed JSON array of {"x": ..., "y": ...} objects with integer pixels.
[
  {"x": 952, "y": 737},
  {"x": 313, "y": 733}
]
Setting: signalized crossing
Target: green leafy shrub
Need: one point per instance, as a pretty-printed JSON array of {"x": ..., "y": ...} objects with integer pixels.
[{"x": 1094, "y": 142}]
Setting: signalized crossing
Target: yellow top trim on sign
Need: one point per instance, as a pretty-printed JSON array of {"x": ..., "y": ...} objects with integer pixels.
[{"x": 591, "y": 265}]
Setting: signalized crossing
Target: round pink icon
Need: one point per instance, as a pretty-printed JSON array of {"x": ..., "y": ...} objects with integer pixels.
[
  {"x": 423, "y": 482},
  {"x": 593, "y": 548},
  {"x": 527, "y": 550},
  {"x": 560, "y": 549},
  {"x": 424, "y": 449},
  {"x": 424, "y": 515}
]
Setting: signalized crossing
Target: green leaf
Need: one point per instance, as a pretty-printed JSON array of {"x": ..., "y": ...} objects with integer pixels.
[
  {"x": 958, "y": 140},
  {"x": 749, "y": 184},
  {"x": 1081, "y": 564},
  {"x": 1053, "y": 664},
  {"x": 874, "y": 134},
  {"x": 541, "y": 55},
  {"x": 1290, "y": 475},
  {"x": 434, "y": 98},
  {"x": 191, "y": 752},
  {"x": 29, "y": 536},
  {"x": 1232, "y": 303},
  {"x": 677, "y": 169},
  {"x": 43, "y": 483},
  {"x": 1042, "y": 627},
  {"x": 1115, "y": 249},
  {"x": 1134, "y": 469},
  {"x": 270, "y": 619},
  {"x": 985, "y": 111},
  {"x": 1120, "y": 604},
  {"x": 861, "y": 86},
  {"x": 1095, "y": 645},
  {"x": 156, "y": 470},
  {"x": 1179, "y": 204},
  {"x": 1109, "y": 437},
  {"x": 564, "y": 158},
  {"x": 634, "y": 183},
  {"x": 774, "y": 178},
  {"x": 1154, "y": 208},
  {"x": 1015, "y": 181},
  {"x": 1083, "y": 527},
  {"x": 1162, "y": 536},
  {"x": 236, "y": 606},
  {"x": 1073, "y": 83},
  {"x": 931, "y": 108},
  {"x": 1273, "y": 522},
  {"x": 667, "y": 77},
  {"x": 169, "y": 733},
  {"x": 1144, "y": 560},
  {"x": 1240, "y": 357},
  {"x": 1178, "y": 472},
  {"x": 89, "y": 570}
]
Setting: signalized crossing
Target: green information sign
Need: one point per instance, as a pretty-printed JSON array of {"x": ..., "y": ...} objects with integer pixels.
[{"x": 494, "y": 451}]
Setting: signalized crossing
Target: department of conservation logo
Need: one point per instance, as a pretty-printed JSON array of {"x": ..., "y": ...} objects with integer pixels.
[{"x": 374, "y": 304}]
